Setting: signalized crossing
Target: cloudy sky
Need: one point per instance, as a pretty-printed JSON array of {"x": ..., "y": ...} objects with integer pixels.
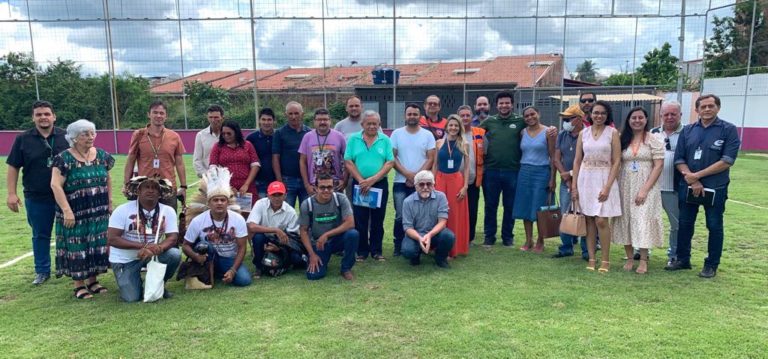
[{"x": 216, "y": 35}]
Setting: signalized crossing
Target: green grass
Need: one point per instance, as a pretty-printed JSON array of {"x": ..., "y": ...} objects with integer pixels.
[{"x": 493, "y": 303}]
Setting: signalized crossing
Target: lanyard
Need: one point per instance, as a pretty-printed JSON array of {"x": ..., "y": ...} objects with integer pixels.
[
  {"x": 450, "y": 150},
  {"x": 152, "y": 145},
  {"x": 321, "y": 145},
  {"x": 219, "y": 231},
  {"x": 145, "y": 222}
]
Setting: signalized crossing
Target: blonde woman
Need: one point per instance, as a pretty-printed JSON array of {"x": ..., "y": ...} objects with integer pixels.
[{"x": 452, "y": 178}]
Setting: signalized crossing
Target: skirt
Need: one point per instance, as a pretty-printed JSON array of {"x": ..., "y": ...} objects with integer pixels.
[{"x": 531, "y": 192}]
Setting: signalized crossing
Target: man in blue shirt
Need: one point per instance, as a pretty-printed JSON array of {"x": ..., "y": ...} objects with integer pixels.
[
  {"x": 262, "y": 142},
  {"x": 285, "y": 153},
  {"x": 705, "y": 152}
]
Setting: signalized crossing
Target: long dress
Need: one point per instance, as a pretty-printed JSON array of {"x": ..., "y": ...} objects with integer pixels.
[
  {"x": 450, "y": 181},
  {"x": 639, "y": 226},
  {"x": 82, "y": 251},
  {"x": 593, "y": 174}
]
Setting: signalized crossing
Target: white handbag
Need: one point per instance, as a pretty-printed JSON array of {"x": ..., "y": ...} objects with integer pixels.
[{"x": 154, "y": 283}]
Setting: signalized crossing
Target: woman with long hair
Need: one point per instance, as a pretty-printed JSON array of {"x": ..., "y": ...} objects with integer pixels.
[
  {"x": 239, "y": 156},
  {"x": 595, "y": 187},
  {"x": 642, "y": 159},
  {"x": 452, "y": 152},
  {"x": 536, "y": 179}
]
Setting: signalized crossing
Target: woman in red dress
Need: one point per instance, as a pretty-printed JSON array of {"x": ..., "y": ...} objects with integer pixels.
[
  {"x": 451, "y": 178},
  {"x": 239, "y": 156}
]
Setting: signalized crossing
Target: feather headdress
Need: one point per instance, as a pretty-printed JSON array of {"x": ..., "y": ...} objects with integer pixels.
[{"x": 215, "y": 182}]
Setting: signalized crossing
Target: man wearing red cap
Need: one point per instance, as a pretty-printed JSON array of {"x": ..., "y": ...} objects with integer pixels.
[{"x": 273, "y": 225}]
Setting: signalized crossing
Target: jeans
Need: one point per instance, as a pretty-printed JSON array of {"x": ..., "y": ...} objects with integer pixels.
[
  {"x": 399, "y": 191},
  {"x": 670, "y": 203},
  {"x": 499, "y": 183},
  {"x": 371, "y": 219},
  {"x": 714, "y": 219},
  {"x": 257, "y": 243},
  {"x": 473, "y": 198},
  {"x": 40, "y": 214},
  {"x": 295, "y": 188},
  {"x": 261, "y": 188},
  {"x": 442, "y": 244},
  {"x": 128, "y": 275},
  {"x": 346, "y": 242},
  {"x": 222, "y": 264},
  {"x": 568, "y": 240}
]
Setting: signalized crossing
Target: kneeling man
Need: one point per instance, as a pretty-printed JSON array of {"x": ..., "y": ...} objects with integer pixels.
[
  {"x": 224, "y": 232},
  {"x": 326, "y": 227},
  {"x": 133, "y": 227},
  {"x": 425, "y": 213}
]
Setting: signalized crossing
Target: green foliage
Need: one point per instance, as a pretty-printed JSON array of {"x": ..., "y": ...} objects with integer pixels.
[
  {"x": 587, "y": 71},
  {"x": 619, "y": 79},
  {"x": 17, "y": 90},
  {"x": 338, "y": 110},
  {"x": 659, "y": 68},
  {"x": 727, "y": 51},
  {"x": 200, "y": 95}
]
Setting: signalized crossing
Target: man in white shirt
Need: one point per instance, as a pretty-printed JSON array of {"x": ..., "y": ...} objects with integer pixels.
[
  {"x": 670, "y": 129},
  {"x": 133, "y": 227},
  {"x": 414, "y": 150},
  {"x": 275, "y": 228},
  {"x": 206, "y": 138}
]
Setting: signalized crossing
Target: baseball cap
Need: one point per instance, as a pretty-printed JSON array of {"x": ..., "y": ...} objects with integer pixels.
[
  {"x": 572, "y": 111},
  {"x": 276, "y": 187}
]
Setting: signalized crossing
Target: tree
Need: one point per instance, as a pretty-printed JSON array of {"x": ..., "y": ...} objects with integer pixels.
[
  {"x": 200, "y": 95},
  {"x": 17, "y": 90},
  {"x": 619, "y": 79},
  {"x": 726, "y": 52},
  {"x": 586, "y": 71},
  {"x": 659, "y": 68}
]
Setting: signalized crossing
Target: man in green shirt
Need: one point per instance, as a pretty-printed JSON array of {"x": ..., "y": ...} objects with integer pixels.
[{"x": 502, "y": 162}]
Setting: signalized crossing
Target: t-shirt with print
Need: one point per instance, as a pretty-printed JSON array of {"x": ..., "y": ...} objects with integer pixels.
[
  {"x": 411, "y": 149},
  {"x": 325, "y": 216},
  {"x": 126, "y": 218},
  {"x": 325, "y": 154},
  {"x": 224, "y": 242}
]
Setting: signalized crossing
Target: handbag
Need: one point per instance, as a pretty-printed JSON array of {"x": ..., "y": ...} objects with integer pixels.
[
  {"x": 573, "y": 221},
  {"x": 154, "y": 282},
  {"x": 548, "y": 219}
]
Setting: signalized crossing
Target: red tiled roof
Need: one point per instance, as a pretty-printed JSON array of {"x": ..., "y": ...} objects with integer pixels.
[{"x": 176, "y": 85}]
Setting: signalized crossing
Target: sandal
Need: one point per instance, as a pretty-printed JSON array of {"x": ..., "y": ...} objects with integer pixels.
[
  {"x": 629, "y": 265},
  {"x": 604, "y": 267},
  {"x": 98, "y": 288},
  {"x": 643, "y": 267},
  {"x": 359, "y": 259},
  {"x": 81, "y": 292},
  {"x": 525, "y": 248},
  {"x": 591, "y": 265},
  {"x": 538, "y": 249},
  {"x": 379, "y": 258}
]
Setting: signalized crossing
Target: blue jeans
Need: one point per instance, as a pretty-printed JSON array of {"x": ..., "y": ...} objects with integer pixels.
[
  {"x": 261, "y": 187},
  {"x": 399, "y": 191},
  {"x": 442, "y": 244},
  {"x": 40, "y": 214},
  {"x": 499, "y": 183},
  {"x": 714, "y": 219},
  {"x": 128, "y": 275},
  {"x": 369, "y": 223},
  {"x": 568, "y": 240},
  {"x": 346, "y": 242},
  {"x": 222, "y": 264},
  {"x": 670, "y": 203},
  {"x": 295, "y": 188},
  {"x": 473, "y": 200}
]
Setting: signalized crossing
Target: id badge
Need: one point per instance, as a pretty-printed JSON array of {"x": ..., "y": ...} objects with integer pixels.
[
  {"x": 49, "y": 162},
  {"x": 148, "y": 229},
  {"x": 450, "y": 164},
  {"x": 634, "y": 167},
  {"x": 697, "y": 154},
  {"x": 156, "y": 163}
]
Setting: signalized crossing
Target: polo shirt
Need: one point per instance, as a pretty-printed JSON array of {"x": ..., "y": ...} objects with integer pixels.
[
  {"x": 566, "y": 143},
  {"x": 369, "y": 160},
  {"x": 717, "y": 142},
  {"x": 168, "y": 145},
  {"x": 286, "y": 142},
  {"x": 422, "y": 215},
  {"x": 263, "y": 145},
  {"x": 503, "y": 137},
  {"x": 30, "y": 153},
  {"x": 284, "y": 218}
]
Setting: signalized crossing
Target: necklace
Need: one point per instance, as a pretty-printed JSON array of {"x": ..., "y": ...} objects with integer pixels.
[{"x": 84, "y": 156}]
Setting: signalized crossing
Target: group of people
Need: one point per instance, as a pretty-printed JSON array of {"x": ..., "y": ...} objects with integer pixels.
[{"x": 618, "y": 179}]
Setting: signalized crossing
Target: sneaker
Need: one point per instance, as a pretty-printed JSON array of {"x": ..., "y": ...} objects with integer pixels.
[
  {"x": 443, "y": 264},
  {"x": 509, "y": 244},
  {"x": 348, "y": 275},
  {"x": 678, "y": 265},
  {"x": 41, "y": 278},
  {"x": 167, "y": 294},
  {"x": 561, "y": 255},
  {"x": 708, "y": 272}
]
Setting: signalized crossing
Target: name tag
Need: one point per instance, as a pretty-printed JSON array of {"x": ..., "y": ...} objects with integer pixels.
[
  {"x": 697, "y": 154},
  {"x": 450, "y": 164},
  {"x": 634, "y": 166},
  {"x": 156, "y": 163}
]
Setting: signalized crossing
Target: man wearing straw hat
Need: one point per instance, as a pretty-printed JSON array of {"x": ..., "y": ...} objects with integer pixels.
[{"x": 140, "y": 229}]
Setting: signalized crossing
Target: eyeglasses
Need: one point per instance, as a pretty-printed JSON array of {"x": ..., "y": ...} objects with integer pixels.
[
  {"x": 325, "y": 188},
  {"x": 599, "y": 114},
  {"x": 425, "y": 184},
  {"x": 587, "y": 100},
  {"x": 667, "y": 144}
]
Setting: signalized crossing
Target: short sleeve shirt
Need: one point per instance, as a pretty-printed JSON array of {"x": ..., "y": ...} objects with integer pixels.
[
  {"x": 717, "y": 142},
  {"x": 369, "y": 160},
  {"x": 325, "y": 216},
  {"x": 284, "y": 218},
  {"x": 31, "y": 153},
  {"x": 224, "y": 242},
  {"x": 325, "y": 154},
  {"x": 422, "y": 215},
  {"x": 566, "y": 143},
  {"x": 165, "y": 147},
  {"x": 126, "y": 218},
  {"x": 411, "y": 149},
  {"x": 286, "y": 142},
  {"x": 349, "y": 127}
]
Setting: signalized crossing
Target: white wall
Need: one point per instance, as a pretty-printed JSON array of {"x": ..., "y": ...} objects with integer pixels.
[{"x": 731, "y": 93}]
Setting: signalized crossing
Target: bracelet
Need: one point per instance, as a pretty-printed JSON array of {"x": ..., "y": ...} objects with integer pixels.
[{"x": 183, "y": 186}]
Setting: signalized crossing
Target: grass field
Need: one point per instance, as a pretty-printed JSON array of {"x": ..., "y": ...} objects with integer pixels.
[{"x": 494, "y": 303}]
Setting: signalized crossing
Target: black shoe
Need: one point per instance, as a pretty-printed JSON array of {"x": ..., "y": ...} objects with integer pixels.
[
  {"x": 636, "y": 256},
  {"x": 415, "y": 261},
  {"x": 509, "y": 244},
  {"x": 167, "y": 294},
  {"x": 396, "y": 253},
  {"x": 443, "y": 264},
  {"x": 561, "y": 255},
  {"x": 598, "y": 247},
  {"x": 678, "y": 265},
  {"x": 708, "y": 272},
  {"x": 40, "y": 278}
]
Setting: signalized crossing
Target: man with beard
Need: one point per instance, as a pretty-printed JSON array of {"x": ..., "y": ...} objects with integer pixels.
[
  {"x": 431, "y": 119},
  {"x": 322, "y": 151},
  {"x": 353, "y": 122},
  {"x": 34, "y": 150},
  {"x": 261, "y": 140},
  {"x": 206, "y": 138},
  {"x": 425, "y": 214},
  {"x": 586, "y": 101},
  {"x": 482, "y": 109}
]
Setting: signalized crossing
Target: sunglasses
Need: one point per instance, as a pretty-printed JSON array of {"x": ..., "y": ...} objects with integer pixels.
[
  {"x": 425, "y": 184},
  {"x": 667, "y": 145},
  {"x": 569, "y": 119},
  {"x": 587, "y": 100}
]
